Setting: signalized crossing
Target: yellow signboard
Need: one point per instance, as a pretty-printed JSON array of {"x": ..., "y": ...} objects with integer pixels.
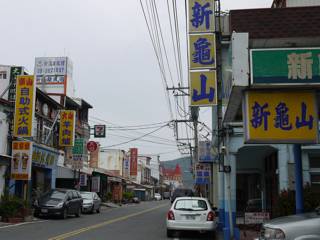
[
  {"x": 21, "y": 160},
  {"x": 202, "y": 51},
  {"x": 67, "y": 128},
  {"x": 201, "y": 16},
  {"x": 203, "y": 88},
  {"x": 24, "y": 106},
  {"x": 281, "y": 117}
]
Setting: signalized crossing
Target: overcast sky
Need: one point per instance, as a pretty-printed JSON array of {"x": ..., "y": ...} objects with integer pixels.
[{"x": 115, "y": 68}]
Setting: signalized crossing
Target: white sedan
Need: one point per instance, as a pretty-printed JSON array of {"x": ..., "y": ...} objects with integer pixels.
[
  {"x": 157, "y": 196},
  {"x": 190, "y": 214}
]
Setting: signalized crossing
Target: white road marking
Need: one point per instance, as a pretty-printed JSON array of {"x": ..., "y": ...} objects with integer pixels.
[{"x": 24, "y": 223}]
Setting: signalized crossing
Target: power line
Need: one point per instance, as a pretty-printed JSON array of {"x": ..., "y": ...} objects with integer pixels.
[{"x": 135, "y": 139}]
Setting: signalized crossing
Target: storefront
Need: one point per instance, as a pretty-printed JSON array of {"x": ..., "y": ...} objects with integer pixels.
[{"x": 44, "y": 164}]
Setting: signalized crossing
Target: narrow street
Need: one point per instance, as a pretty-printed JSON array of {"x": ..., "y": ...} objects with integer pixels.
[{"x": 135, "y": 222}]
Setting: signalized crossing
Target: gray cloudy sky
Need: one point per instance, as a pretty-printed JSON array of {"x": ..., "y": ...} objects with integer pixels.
[{"x": 115, "y": 68}]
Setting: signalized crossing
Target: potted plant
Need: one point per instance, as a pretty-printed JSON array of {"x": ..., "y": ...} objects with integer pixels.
[{"x": 10, "y": 209}]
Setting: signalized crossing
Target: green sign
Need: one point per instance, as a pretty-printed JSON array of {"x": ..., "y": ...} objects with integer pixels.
[
  {"x": 285, "y": 66},
  {"x": 78, "y": 147}
]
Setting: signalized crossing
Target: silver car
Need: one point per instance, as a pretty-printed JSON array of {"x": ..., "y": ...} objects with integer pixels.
[
  {"x": 91, "y": 202},
  {"x": 190, "y": 214},
  {"x": 295, "y": 227}
]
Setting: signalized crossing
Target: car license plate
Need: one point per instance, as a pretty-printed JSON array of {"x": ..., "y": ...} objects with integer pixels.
[
  {"x": 188, "y": 217},
  {"x": 44, "y": 210}
]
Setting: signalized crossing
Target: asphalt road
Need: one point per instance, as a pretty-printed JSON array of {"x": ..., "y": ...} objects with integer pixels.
[{"x": 144, "y": 221}]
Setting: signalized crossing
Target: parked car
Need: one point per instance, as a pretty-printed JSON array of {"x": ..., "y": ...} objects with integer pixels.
[
  {"x": 181, "y": 192},
  {"x": 91, "y": 202},
  {"x": 166, "y": 195},
  {"x": 157, "y": 196},
  {"x": 295, "y": 227},
  {"x": 59, "y": 202},
  {"x": 191, "y": 214},
  {"x": 135, "y": 200}
]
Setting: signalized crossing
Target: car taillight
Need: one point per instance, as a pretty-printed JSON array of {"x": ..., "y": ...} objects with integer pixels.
[
  {"x": 170, "y": 215},
  {"x": 210, "y": 216}
]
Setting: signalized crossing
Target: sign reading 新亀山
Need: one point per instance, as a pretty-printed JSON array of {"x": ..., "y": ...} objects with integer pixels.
[
  {"x": 203, "y": 88},
  {"x": 285, "y": 66},
  {"x": 280, "y": 117},
  {"x": 201, "y": 15}
]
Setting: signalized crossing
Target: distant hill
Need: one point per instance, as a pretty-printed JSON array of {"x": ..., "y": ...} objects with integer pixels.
[{"x": 185, "y": 165}]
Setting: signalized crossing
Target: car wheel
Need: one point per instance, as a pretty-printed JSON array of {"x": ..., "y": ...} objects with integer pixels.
[
  {"x": 64, "y": 214},
  {"x": 170, "y": 233},
  {"x": 78, "y": 212},
  {"x": 98, "y": 210}
]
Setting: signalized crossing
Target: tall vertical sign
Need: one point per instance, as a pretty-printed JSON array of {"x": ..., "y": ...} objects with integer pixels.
[
  {"x": 133, "y": 162},
  {"x": 202, "y": 53},
  {"x": 14, "y": 73},
  {"x": 24, "y": 106},
  {"x": 21, "y": 160},
  {"x": 67, "y": 128}
]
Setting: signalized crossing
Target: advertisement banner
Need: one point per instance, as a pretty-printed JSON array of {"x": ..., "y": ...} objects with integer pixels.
[
  {"x": 21, "y": 160},
  {"x": 67, "y": 128},
  {"x": 203, "y": 173},
  {"x": 203, "y": 88},
  {"x": 204, "y": 151},
  {"x": 94, "y": 157},
  {"x": 78, "y": 153},
  {"x": 83, "y": 179},
  {"x": 280, "y": 117},
  {"x": 24, "y": 106},
  {"x": 95, "y": 184},
  {"x": 202, "y": 51},
  {"x": 54, "y": 74},
  {"x": 133, "y": 162},
  {"x": 14, "y": 73},
  {"x": 44, "y": 156},
  {"x": 126, "y": 166},
  {"x": 201, "y": 16},
  {"x": 285, "y": 66}
]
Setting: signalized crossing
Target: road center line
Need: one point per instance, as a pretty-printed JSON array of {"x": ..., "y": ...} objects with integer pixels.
[{"x": 99, "y": 225}]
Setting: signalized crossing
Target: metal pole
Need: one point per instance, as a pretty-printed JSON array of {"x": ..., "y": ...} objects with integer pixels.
[
  {"x": 298, "y": 180},
  {"x": 228, "y": 185},
  {"x": 54, "y": 123}
]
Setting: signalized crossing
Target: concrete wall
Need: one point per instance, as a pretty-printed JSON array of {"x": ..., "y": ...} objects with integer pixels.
[{"x": 111, "y": 160}]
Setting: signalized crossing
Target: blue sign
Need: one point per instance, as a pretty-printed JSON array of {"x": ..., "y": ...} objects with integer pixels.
[{"x": 204, "y": 151}]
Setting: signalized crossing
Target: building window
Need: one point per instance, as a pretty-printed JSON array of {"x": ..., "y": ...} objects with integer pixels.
[
  {"x": 3, "y": 75},
  {"x": 315, "y": 182}
]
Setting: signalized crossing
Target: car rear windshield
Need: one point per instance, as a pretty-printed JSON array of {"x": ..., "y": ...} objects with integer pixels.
[
  {"x": 191, "y": 205},
  {"x": 86, "y": 195},
  {"x": 55, "y": 194}
]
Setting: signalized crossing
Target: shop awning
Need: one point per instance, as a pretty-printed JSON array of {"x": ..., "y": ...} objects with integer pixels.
[{"x": 5, "y": 159}]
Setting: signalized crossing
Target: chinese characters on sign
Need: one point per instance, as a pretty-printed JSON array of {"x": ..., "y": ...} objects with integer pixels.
[
  {"x": 285, "y": 66},
  {"x": 201, "y": 15},
  {"x": 14, "y": 73},
  {"x": 24, "y": 107},
  {"x": 285, "y": 117},
  {"x": 202, "y": 51},
  {"x": 67, "y": 128},
  {"x": 203, "y": 87},
  {"x": 78, "y": 153},
  {"x": 44, "y": 156},
  {"x": 21, "y": 160},
  {"x": 203, "y": 173},
  {"x": 133, "y": 162}
]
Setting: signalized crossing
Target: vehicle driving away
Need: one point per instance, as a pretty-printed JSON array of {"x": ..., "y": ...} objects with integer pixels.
[
  {"x": 91, "y": 202},
  {"x": 181, "y": 192},
  {"x": 157, "y": 196},
  {"x": 295, "y": 227},
  {"x": 59, "y": 202},
  {"x": 191, "y": 214}
]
